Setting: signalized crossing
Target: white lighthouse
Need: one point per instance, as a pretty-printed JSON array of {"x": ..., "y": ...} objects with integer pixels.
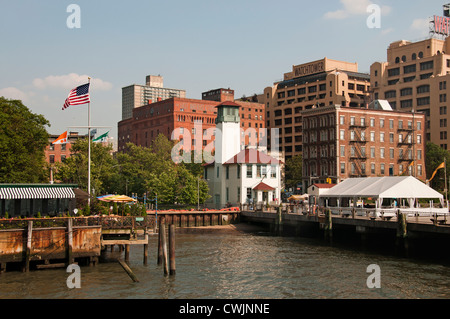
[{"x": 239, "y": 175}]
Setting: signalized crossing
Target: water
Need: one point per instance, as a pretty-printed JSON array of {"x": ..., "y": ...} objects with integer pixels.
[{"x": 232, "y": 264}]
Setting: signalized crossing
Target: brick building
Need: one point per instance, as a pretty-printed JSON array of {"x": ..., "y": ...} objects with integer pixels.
[
  {"x": 320, "y": 83},
  {"x": 344, "y": 142},
  {"x": 59, "y": 152},
  {"x": 183, "y": 114}
]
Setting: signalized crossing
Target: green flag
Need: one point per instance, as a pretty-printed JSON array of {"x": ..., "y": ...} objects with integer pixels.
[{"x": 101, "y": 138}]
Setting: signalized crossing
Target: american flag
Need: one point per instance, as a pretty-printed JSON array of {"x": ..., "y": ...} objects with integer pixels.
[{"x": 78, "y": 96}]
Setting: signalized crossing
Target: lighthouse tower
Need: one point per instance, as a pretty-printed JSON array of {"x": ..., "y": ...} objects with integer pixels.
[{"x": 228, "y": 132}]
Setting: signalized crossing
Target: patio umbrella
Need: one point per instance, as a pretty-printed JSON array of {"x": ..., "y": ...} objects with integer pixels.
[
  {"x": 116, "y": 198},
  {"x": 120, "y": 199}
]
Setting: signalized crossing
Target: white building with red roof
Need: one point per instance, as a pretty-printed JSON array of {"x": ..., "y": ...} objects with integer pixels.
[{"x": 240, "y": 175}]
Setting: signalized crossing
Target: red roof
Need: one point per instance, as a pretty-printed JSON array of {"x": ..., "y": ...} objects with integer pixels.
[
  {"x": 263, "y": 187},
  {"x": 252, "y": 156}
]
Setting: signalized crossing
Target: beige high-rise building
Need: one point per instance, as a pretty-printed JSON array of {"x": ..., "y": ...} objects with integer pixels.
[
  {"x": 320, "y": 83},
  {"x": 414, "y": 78},
  {"x": 134, "y": 96}
]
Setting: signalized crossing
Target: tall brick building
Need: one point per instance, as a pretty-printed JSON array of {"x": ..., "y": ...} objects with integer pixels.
[
  {"x": 320, "y": 83},
  {"x": 343, "y": 142},
  {"x": 149, "y": 120}
]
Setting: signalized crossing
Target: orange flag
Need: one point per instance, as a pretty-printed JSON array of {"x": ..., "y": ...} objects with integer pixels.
[
  {"x": 438, "y": 168},
  {"x": 62, "y": 139}
]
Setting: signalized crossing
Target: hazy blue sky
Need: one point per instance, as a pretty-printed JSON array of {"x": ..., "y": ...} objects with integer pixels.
[{"x": 195, "y": 45}]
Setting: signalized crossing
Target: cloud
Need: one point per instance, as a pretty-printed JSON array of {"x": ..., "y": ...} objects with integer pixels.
[
  {"x": 69, "y": 81},
  {"x": 14, "y": 94},
  {"x": 354, "y": 7},
  {"x": 421, "y": 25}
]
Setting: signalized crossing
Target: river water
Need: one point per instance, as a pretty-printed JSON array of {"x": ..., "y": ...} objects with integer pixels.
[{"x": 234, "y": 264}]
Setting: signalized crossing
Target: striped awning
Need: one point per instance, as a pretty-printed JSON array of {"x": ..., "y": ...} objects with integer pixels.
[{"x": 36, "y": 192}]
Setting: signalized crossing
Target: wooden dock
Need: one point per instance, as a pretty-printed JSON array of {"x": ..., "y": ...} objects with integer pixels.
[
  {"x": 402, "y": 230},
  {"x": 58, "y": 242}
]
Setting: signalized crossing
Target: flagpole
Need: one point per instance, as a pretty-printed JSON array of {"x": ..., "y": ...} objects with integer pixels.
[
  {"x": 445, "y": 168},
  {"x": 89, "y": 148}
]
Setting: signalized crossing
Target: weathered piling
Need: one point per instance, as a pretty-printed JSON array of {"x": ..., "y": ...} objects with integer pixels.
[
  {"x": 402, "y": 233},
  {"x": 70, "y": 258},
  {"x": 172, "y": 269},
  {"x": 160, "y": 248},
  {"x": 328, "y": 229},
  {"x": 146, "y": 247},
  {"x": 162, "y": 229},
  {"x": 28, "y": 250},
  {"x": 128, "y": 270}
]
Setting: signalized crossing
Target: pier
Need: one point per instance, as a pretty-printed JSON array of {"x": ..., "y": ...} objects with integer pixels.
[
  {"x": 402, "y": 231},
  {"x": 42, "y": 243}
]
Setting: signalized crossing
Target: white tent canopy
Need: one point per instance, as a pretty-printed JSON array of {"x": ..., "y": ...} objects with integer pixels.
[
  {"x": 403, "y": 187},
  {"x": 383, "y": 187}
]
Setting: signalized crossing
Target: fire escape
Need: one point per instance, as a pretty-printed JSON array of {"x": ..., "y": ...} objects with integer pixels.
[
  {"x": 406, "y": 146},
  {"x": 358, "y": 156}
]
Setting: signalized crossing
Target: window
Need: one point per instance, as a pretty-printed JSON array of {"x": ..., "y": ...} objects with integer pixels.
[
  {"x": 391, "y": 153},
  {"x": 406, "y": 91},
  {"x": 342, "y": 168},
  {"x": 382, "y": 169},
  {"x": 342, "y": 135},
  {"x": 391, "y": 124},
  {"x": 227, "y": 170},
  {"x": 409, "y": 69},
  {"x": 273, "y": 171},
  {"x": 342, "y": 120},
  {"x": 390, "y": 94},
  {"x": 249, "y": 171},
  {"x": 52, "y": 159},
  {"x": 372, "y": 168},
  {"x": 426, "y": 65},
  {"x": 382, "y": 123},
  {"x": 342, "y": 151},
  {"x": 391, "y": 137},
  {"x": 394, "y": 72},
  {"x": 382, "y": 137},
  {"x": 423, "y": 101},
  {"x": 382, "y": 152},
  {"x": 239, "y": 171},
  {"x": 423, "y": 89},
  {"x": 372, "y": 136},
  {"x": 372, "y": 122},
  {"x": 217, "y": 171},
  {"x": 372, "y": 152}
]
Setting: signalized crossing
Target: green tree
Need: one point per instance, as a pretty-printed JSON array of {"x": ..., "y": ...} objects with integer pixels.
[
  {"x": 75, "y": 168},
  {"x": 23, "y": 138},
  {"x": 293, "y": 171},
  {"x": 435, "y": 155}
]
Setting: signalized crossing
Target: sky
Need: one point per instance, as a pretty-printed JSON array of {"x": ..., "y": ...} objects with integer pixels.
[{"x": 196, "y": 45}]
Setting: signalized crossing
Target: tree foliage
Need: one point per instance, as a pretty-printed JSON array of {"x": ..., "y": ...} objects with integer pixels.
[
  {"x": 293, "y": 171},
  {"x": 139, "y": 170},
  {"x": 23, "y": 138}
]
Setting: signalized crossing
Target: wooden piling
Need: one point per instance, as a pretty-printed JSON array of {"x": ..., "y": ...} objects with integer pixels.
[
  {"x": 127, "y": 253},
  {"x": 128, "y": 270},
  {"x": 172, "y": 270},
  {"x": 160, "y": 248},
  {"x": 328, "y": 225},
  {"x": 146, "y": 247},
  {"x": 162, "y": 229},
  {"x": 70, "y": 259},
  {"x": 28, "y": 250}
]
